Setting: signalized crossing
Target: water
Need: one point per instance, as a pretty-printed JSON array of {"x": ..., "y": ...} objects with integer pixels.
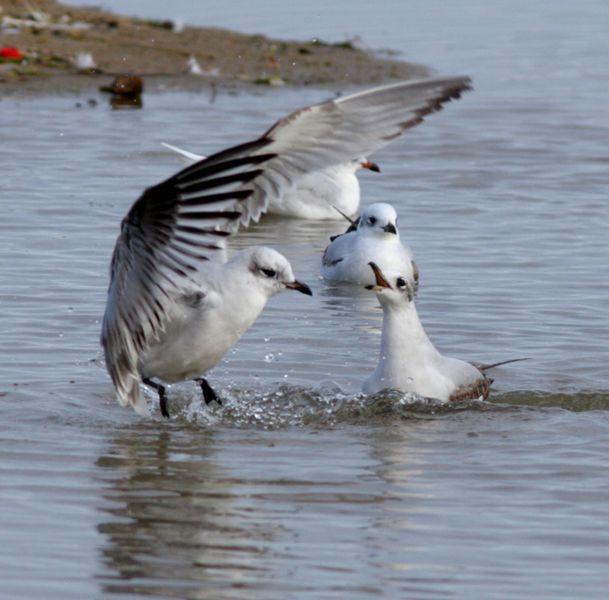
[{"x": 298, "y": 487}]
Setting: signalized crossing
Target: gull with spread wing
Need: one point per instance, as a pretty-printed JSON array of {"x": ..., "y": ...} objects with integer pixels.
[
  {"x": 172, "y": 310},
  {"x": 324, "y": 192},
  {"x": 408, "y": 360}
]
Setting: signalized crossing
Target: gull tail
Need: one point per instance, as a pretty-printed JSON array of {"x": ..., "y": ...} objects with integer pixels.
[
  {"x": 353, "y": 223},
  {"x": 483, "y": 367},
  {"x": 184, "y": 153}
]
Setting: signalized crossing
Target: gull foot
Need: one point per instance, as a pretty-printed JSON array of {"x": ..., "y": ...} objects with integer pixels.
[
  {"x": 162, "y": 396},
  {"x": 208, "y": 393}
]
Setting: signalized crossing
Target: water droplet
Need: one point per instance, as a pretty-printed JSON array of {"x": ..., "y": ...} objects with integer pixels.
[{"x": 268, "y": 358}]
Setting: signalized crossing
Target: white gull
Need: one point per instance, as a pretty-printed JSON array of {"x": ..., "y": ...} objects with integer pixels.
[
  {"x": 373, "y": 237},
  {"x": 408, "y": 360}
]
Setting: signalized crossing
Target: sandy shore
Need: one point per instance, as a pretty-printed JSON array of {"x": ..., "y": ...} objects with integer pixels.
[{"x": 50, "y": 35}]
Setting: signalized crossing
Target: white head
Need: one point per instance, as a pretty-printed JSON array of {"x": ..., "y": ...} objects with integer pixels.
[
  {"x": 392, "y": 289},
  {"x": 380, "y": 219},
  {"x": 272, "y": 271},
  {"x": 354, "y": 165}
]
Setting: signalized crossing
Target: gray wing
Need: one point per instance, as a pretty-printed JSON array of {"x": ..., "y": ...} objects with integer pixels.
[
  {"x": 337, "y": 131},
  {"x": 367, "y": 120},
  {"x": 338, "y": 248},
  {"x": 344, "y": 129}
]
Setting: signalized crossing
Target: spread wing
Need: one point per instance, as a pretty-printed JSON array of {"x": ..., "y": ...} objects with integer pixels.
[
  {"x": 359, "y": 124},
  {"x": 176, "y": 226},
  {"x": 337, "y": 131}
]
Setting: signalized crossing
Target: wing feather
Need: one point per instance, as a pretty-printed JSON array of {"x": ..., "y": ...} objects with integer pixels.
[{"x": 336, "y": 131}]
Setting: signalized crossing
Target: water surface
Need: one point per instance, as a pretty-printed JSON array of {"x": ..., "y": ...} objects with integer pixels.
[{"x": 298, "y": 487}]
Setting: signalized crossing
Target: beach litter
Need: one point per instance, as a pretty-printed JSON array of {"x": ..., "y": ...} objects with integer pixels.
[
  {"x": 126, "y": 91},
  {"x": 193, "y": 67},
  {"x": 40, "y": 21},
  {"x": 11, "y": 53},
  {"x": 84, "y": 62}
]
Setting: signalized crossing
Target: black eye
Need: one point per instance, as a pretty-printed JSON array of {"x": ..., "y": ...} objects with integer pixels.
[
  {"x": 372, "y": 220},
  {"x": 400, "y": 282},
  {"x": 269, "y": 272}
]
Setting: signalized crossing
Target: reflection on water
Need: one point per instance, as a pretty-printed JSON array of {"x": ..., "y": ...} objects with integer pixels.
[
  {"x": 169, "y": 516},
  {"x": 187, "y": 515},
  {"x": 181, "y": 525}
]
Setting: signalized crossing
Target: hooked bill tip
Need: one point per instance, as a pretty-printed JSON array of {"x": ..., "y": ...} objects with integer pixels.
[{"x": 299, "y": 286}]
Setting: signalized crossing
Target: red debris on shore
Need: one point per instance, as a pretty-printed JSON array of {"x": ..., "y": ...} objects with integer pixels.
[{"x": 11, "y": 53}]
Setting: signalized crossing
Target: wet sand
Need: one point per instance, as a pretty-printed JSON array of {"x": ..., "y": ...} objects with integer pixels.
[{"x": 52, "y": 34}]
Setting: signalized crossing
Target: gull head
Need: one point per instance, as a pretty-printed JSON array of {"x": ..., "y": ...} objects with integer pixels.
[
  {"x": 273, "y": 273},
  {"x": 392, "y": 289},
  {"x": 364, "y": 163},
  {"x": 379, "y": 219}
]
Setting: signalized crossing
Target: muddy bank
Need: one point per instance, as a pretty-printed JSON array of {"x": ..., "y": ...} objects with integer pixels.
[{"x": 51, "y": 35}]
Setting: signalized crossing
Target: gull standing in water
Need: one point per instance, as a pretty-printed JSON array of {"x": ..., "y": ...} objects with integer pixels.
[
  {"x": 408, "y": 361},
  {"x": 172, "y": 311},
  {"x": 331, "y": 188},
  {"x": 373, "y": 237}
]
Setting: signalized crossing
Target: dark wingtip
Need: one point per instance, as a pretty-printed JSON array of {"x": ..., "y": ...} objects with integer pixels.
[{"x": 501, "y": 363}]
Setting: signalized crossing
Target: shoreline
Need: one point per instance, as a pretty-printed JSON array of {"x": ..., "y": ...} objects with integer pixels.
[{"x": 51, "y": 35}]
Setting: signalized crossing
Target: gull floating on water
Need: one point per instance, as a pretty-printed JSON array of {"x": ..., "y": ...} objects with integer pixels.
[
  {"x": 408, "y": 361},
  {"x": 373, "y": 237},
  {"x": 376, "y": 117},
  {"x": 172, "y": 311}
]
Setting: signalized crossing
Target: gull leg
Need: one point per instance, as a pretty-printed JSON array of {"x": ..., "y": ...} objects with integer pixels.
[
  {"x": 162, "y": 396},
  {"x": 208, "y": 393}
]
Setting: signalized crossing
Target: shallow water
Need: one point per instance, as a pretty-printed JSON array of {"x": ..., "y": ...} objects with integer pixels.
[{"x": 297, "y": 487}]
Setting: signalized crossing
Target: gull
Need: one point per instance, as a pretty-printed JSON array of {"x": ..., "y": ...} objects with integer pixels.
[
  {"x": 373, "y": 237},
  {"x": 408, "y": 361},
  {"x": 174, "y": 307},
  {"x": 323, "y": 192},
  {"x": 172, "y": 312}
]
